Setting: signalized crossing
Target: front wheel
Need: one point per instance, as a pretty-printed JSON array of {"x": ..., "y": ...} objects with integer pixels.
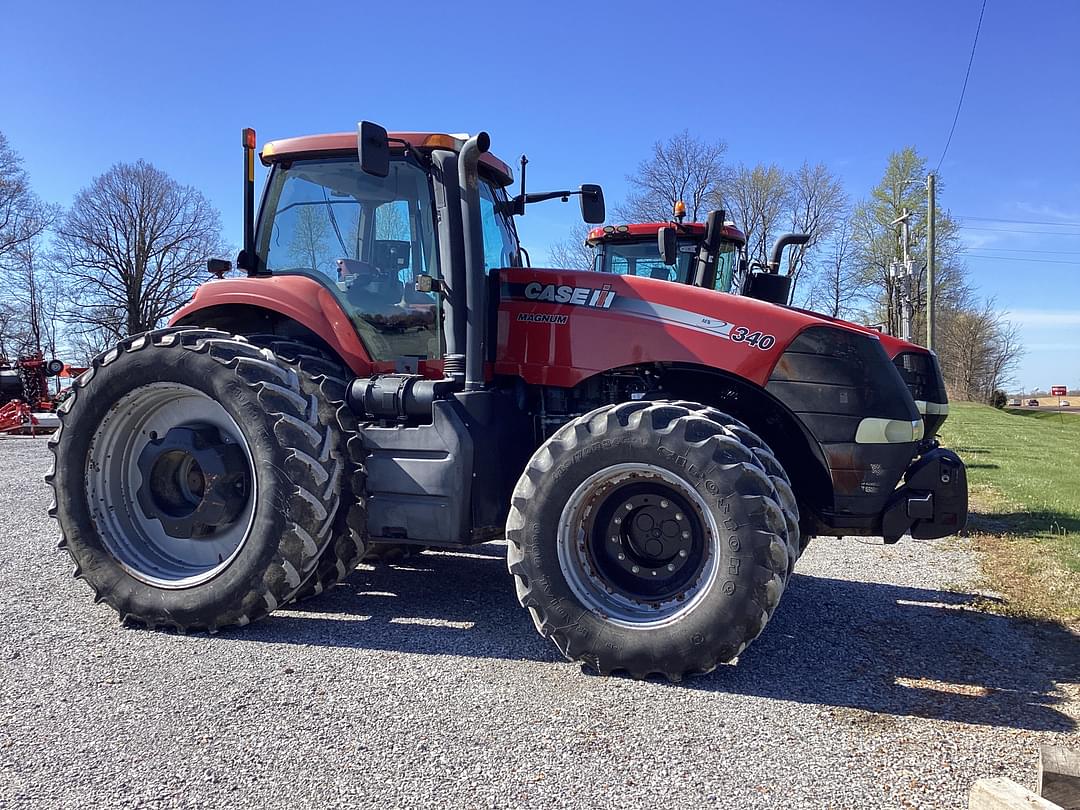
[{"x": 646, "y": 538}]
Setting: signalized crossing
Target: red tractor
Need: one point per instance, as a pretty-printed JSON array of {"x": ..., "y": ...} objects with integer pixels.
[{"x": 389, "y": 371}]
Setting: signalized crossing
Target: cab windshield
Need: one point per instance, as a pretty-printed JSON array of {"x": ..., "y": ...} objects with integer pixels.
[
  {"x": 366, "y": 239},
  {"x": 642, "y": 258}
]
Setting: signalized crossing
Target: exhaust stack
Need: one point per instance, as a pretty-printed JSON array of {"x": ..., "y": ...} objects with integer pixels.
[
  {"x": 475, "y": 278},
  {"x": 783, "y": 242}
]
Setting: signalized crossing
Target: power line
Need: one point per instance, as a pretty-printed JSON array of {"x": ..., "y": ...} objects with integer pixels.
[
  {"x": 1017, "y": 230},
  {"x": 1024, "y": 250},
  {"x": 963, "y": 89},
  {"x": 1021, "y": 221},
  {"x": 1020, "y": 259}
]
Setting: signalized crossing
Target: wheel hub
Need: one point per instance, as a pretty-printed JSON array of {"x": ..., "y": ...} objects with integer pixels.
[
  {"x": 194, "y": 481},
  {"x": 646, "y": 541}
]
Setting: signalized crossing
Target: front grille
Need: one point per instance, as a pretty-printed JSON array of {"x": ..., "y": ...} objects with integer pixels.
[{"x": 922, "y": 376}]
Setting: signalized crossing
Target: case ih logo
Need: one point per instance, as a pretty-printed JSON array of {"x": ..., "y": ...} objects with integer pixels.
[{"x": 564, "y": 294}]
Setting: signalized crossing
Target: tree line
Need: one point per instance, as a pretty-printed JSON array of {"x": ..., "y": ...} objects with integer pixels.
[
  {"x": 125, "y": 256},
  {"x": 846, "y": 269}
]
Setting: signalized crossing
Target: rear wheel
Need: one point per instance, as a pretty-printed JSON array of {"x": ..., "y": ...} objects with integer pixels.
[
  {"x": 195, "y": 483},
  {"x": 647, "y": 538},
  {"x": 325, "y": 380}
]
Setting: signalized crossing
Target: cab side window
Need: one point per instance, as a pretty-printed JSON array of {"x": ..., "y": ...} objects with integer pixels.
[{"x": 500, "y": 246}]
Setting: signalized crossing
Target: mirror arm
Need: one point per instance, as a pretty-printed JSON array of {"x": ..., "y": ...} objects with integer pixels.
[
  {"x": 421, "y": 158},
  {"x": 548, "y": 195}
]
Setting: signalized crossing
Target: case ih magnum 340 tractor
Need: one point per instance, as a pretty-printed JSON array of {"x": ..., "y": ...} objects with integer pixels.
[{"x": 389, "y": 371}]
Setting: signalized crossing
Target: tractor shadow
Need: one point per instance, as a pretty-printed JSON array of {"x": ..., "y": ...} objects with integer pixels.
[{"x": 851, "y": 645}]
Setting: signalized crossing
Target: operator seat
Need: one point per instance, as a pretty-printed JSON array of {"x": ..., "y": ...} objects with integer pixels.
[{"x": 370, "y": 289}]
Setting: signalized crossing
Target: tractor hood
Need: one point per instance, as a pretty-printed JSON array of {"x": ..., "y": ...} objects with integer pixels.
[
  {"x": 569, "y": 325},
  {"x": 893, "y": 345}
]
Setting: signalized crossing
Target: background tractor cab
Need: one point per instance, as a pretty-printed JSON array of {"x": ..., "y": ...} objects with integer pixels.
[{"x": 710, "y": 255}]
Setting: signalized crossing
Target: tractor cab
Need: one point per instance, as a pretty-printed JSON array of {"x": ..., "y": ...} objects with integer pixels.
[
  {"x": 639, "y": 249},
  {"x": 709, "y": 255}
]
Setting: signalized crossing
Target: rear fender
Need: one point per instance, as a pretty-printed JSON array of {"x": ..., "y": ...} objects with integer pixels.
[{"x": 296, "y": 298}]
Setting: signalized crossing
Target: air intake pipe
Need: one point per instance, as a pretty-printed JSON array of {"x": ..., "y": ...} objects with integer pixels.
[{"x": 475, "y": 277}]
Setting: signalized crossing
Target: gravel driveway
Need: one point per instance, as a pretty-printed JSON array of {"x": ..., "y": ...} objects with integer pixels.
[{"x": 874, "y": 686}]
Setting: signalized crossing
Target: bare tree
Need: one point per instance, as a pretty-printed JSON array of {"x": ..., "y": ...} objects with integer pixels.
[
  {"x": 132, "y": 248},
  {"x": 836, "y": 290},
  {"x": 759, "y": 202},
  {"x": 23, "y": 216},
  {"x": 818, "y": 205},
  {"x": 572, "y": 253},
  {"x": 34, "y": 291},
  {"x": 983, "y": 350},
  {"x": 681, "y": 168}
]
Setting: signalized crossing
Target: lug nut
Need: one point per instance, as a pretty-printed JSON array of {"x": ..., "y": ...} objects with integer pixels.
[
  {"x": 622, "y": 556},
  {"x": 671, "y": 566},
  {"x": 614, "y": 539},
  {"x": 617, "y": 521},
  {"x": 686, "y": 535},
  {"x": 654, "y": 573},
  {"x": 629, "y": 506},
  {"x": 682, "y": 552},
  {"x": 663, "y": 504},
  {"x": 636, "y": 570},
  {"x": 678, "y": 515}
]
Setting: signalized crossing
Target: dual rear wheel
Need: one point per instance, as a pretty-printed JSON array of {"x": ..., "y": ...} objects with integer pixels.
[{"x": 197, "y": 479}]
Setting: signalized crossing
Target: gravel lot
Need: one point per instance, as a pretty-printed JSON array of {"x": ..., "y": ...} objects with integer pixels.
[{"x": 874, "y": 686}]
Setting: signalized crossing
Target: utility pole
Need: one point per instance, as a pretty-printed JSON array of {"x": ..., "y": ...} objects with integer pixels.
[
  {"x": 930, "y": 258},
  {"x": 902, "y": 278}
]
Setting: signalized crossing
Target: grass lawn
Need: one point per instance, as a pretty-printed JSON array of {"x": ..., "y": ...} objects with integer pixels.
[{"x": 1024, "y": 479}]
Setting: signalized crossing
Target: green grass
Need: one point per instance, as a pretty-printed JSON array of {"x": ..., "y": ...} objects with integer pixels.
[{"x": 1024, "y": 477}]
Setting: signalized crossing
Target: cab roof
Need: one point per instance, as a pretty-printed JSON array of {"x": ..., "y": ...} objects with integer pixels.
[
  {"x": 636, "y": 230},
  {"x": 340, "y": 143}
]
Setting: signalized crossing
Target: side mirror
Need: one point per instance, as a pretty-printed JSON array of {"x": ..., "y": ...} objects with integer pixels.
[
  {"x": 426, "y": 284},
  {"x": 219, "y": 267},
  {"x": 714, "y": 230},
  {"x": 668, "y": 244},
  {"x": 373, "y": 146},
  {"x": 592, "y": 204}
]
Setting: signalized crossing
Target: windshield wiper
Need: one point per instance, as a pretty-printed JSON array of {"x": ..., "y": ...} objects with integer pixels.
[{"x": 334, "y": 223}]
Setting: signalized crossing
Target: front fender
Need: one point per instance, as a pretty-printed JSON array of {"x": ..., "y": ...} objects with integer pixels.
[{"x": 299, "y": 298}]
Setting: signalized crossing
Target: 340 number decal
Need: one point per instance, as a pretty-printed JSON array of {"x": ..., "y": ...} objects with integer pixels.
[{"x": 740, "y": 334}]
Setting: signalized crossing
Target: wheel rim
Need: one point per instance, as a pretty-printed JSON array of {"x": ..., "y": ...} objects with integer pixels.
[
  {"x": 637, "y": 545},
  {"x": 171, "y": 485}
]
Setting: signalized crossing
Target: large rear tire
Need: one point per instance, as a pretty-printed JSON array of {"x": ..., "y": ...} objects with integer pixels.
[
  {"x": 324, "y": 379},
  {"x": 647, "y": 538},
  {"x": 196, "y": 484}
]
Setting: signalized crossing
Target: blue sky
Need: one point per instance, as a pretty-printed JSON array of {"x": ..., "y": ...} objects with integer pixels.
[{"x": 584, "y": 90}]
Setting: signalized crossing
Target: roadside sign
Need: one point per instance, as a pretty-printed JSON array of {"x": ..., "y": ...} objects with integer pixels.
[{"x": 1058, "y": 390}]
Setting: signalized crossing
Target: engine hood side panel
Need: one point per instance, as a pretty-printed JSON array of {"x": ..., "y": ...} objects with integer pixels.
[{"x": 558, "y": 327}]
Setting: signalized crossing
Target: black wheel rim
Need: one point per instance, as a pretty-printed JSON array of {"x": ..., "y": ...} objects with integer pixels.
[{"x": 637, "y": 545}]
